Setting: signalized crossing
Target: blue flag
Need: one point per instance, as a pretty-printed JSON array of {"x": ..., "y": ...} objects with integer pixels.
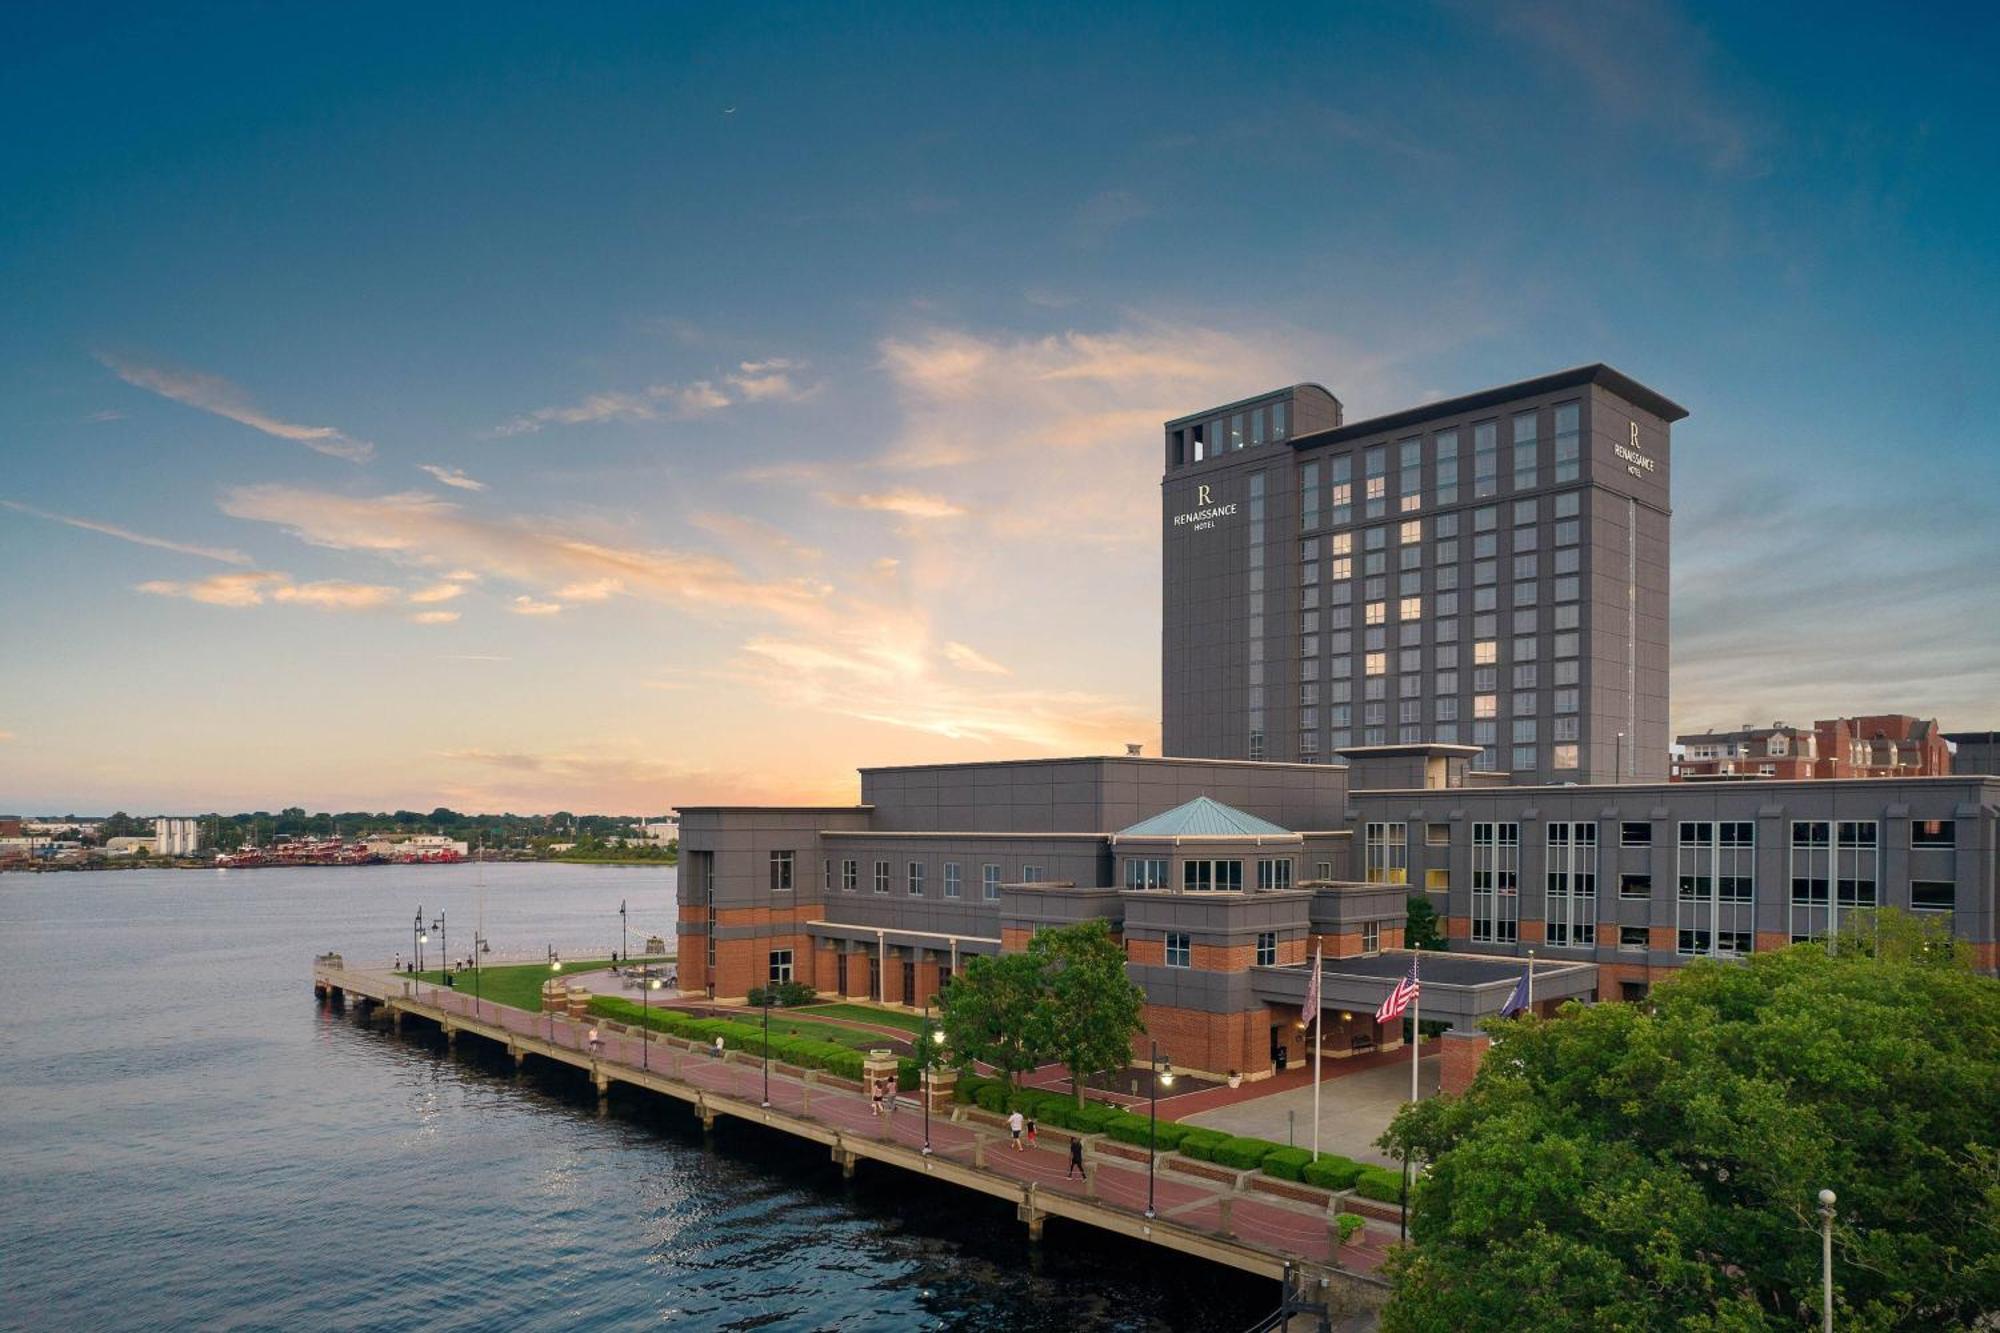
[{"x": 1518, "y": 1001}]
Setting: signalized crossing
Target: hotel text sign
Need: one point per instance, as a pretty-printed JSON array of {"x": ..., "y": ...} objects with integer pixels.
[
  {"x": 1205, "y": 511},
  {"x": 1636, "y": 463}
]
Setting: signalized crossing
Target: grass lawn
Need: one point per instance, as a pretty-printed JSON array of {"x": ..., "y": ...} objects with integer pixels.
[
  {"x": 518, "y": 985},
  {"x": 861, "y": 1013}
]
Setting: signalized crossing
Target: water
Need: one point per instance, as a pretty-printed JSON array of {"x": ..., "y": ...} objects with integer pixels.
[{"x": 188, "y": 1141}]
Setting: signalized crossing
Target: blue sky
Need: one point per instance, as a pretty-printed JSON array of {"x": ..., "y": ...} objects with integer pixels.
[{"x": 531, "y": 407}]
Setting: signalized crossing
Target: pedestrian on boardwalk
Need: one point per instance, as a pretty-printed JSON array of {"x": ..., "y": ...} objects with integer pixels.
[
  {"x": 399, "y": 962},
  {"x": 718, "y": 1048},
  {"x": 1075, "y": 1158},
  {"x": 1031, "y": 1131},
  {"x": 1014, "y": 1123},
  {"x": 888, "y": 1096},
  {"x": 595, "y": 1044},
  {"x": 875, "y": 1096}
]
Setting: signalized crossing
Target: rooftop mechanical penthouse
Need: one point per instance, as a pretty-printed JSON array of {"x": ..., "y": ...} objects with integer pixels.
[{"x": 1487, "y": 570}]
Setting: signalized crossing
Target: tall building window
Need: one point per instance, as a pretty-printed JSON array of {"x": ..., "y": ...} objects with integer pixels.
[
  {"x": 1033, "y": 874},
  {"x": 1236, "y": 431},
  {"x": 1145, "y": 872},
  {"x": 1267, "y": 948},
  {"x": 1447, "y": 467},
  {"x": 1212, "y": 876},
  {"x": 780, "y": 965},
  {"x": 1376, "y": 477},
  {"x": 1343, "y": 490},
  {"x": 1278, "y": 421},
  {"x": 952, "y": 874},
  {"x": 1716, "y": 875},
  {"x": 1178, "y": 951},
  {"x": 916, "y": 879},
  {"x": 1387, "y": 853},
  {"x": 1572, "y": 883},
  {"x": 782, "y": 866},
  {"x": 881, "y": 877},
  {"x": 1274, "y": 872},
  {"x": 1308, "y": 496},
  {"x": 1485, "y": 458},
  {"x": 1525, "y": 448},
  {"x": 1254, "y": 629},
  {"x": 850, "y": 876},
  {"x": 1569, "y": 441},
  {"x": 1496, "y": 890},
  {"x": 1371, "y": 937},
  {"x": 989, "y": 882}
]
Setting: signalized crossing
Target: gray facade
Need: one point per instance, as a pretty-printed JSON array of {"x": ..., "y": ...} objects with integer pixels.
[
  {"x": 1976, "y": 751},
  {"x": 1489, "y": 570}
]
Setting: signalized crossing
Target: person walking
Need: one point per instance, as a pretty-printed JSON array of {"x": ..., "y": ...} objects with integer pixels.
[
  {"x": 875, "y": 1096},
  {"x": 1075, "y": 1158},
  {"x": 1031, "y": 1131},
  {"x": 1014, "y": 1123},
  {"x": 596, "y": 1046}
]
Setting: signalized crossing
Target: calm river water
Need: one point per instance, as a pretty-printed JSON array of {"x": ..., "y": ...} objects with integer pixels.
[{"x": 188, "y": 1141}]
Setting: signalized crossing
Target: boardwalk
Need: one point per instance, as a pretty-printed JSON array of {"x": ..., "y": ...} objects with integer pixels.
[{"x": 1236, "y": 1220}]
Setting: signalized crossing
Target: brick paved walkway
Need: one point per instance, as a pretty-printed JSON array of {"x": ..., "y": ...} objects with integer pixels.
[{"x": 1263, "y": 1220}]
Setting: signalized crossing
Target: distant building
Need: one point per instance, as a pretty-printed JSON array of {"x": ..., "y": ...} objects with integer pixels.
[
  {"x": 10, "y": 826},
  {"x": 661, "y": 831},
  {"x": 127, "y": 846},
  {"x": 417, "y": 845},
  {"x": 1890, "y": 745},
  {"x": 1978, "y": 751},
  {"x": 176, "y": 837}
]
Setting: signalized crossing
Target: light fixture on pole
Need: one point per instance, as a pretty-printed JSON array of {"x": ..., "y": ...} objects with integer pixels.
[
  {"x": 1163, "y": 1076},
  {"x": 624, "y": 944},
  {"x": 478, "y": 948},
  {"x": 768, "y": 988},
  {"x": 555, "y": 965},
  {"x": 646, "y": 1033},
  {"x": 444, "y": 949},
  {"x": 1826, "y": 1201},
  {"x": 927, "y": 1058},
  {"x": 417, "y": 942}
]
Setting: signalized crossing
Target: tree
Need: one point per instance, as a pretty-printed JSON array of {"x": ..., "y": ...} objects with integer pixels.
[
  {"x": 995, "y": 1013},
  {"x": 1657, "y": 1166},
  {"x": 1420, "y": 929},
  {"x": 1093, "y": 1007}
]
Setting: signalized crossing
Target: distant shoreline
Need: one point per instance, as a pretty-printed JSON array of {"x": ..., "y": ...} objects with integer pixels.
[{"x": 129, "y": 863}]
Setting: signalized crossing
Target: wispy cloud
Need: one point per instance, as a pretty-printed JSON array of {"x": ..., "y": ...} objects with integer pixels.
[
  {"x": 443, "y": 591},
  {"x": 967, "y": 658},
  {"x": 212, "y": 394},
  {"x": 224, "y": 554},
  {"x": 336, "y": 595},
  {"x": 247, "y": 589},
  {"x": 432, "y": 617},
  {"x": 749, "y": 382},
  {"x": 254, "y": 588},
  {"x": 525, "y": 605},
  {"x": 452, "y": 477},
  {"x": 908, "y": 503}
]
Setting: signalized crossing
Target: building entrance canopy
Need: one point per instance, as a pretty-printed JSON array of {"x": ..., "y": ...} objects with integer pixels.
[{"x": 1459, "y": 989}]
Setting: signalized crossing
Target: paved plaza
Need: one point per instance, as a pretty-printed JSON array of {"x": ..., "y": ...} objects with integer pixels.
[{"x": 1354, "y": 1109}]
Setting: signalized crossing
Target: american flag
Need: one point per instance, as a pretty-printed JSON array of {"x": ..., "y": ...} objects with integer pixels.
[
  {"x": 1311, "y": 1006},
  {"x": 1399, "y": 999}
]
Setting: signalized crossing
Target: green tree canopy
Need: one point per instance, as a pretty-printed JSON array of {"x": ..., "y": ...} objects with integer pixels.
[
  {"x": 1656, "y": 1166},
  {"x": 1420, "y": 929},
  {"x": 995, "y": 1012},
  {"x": 1093, "y": 1007}
]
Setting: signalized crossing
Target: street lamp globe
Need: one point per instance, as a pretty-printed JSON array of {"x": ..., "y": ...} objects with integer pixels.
[{"x": 1826, "y": 1198}]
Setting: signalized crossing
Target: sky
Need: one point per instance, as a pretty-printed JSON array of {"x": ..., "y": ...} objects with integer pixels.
[{"x": 605, "y": 408}]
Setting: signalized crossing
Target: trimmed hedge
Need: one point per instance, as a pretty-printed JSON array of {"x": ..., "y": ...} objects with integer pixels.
[
  {"x": 805, "y": 1052},
  {"x": 1380, "y": 1184},
  {"x": 1332, "y": 1172},
  {"x": 1201, "y": 1144},
  {"x": 1244, "y": 1153},
  {"x": 1287, "y": 1163},
  {"x": 1127, "y": 1127}
]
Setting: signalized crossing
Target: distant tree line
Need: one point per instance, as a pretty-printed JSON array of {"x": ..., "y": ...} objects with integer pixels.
[{"x": 500, "y": 833}]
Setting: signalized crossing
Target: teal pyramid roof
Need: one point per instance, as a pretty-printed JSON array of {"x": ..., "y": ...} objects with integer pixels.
[{"x": 1201, "y": 818}]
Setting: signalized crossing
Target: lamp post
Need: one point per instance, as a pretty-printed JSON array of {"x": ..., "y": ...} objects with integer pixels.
[
  {"x": 555, "y": 965},
  {"x": 768, "y": 988},
  {"x": 1163, "y": 1074},
  {"x": 1826, "y": 1201},
  {"x": 444, "y": 949},
  {"x": 927, "y": 1054},
  {"x": 417, "y": 942},
  {"x": 646, "y": 1032},
  {"x": 624, "y": 944},
  {"x": 478, "y": 948}
]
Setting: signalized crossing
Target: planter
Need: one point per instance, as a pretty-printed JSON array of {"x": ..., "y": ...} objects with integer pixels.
[{"x": 1235, "y": 1080}]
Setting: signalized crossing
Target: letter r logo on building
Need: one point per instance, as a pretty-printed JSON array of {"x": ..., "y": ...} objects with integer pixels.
[
  {"x": 1635, "y": 435},
  {"x": 1201, "y": 496}
]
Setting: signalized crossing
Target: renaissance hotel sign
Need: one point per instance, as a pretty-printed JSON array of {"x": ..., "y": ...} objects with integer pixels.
[{"x": 1205, "y": 511}]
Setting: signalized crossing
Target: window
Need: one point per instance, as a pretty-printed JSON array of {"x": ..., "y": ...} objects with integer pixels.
[
  {"x": 1437, "y": 881},
  {"x": 1933, "y": 895},
  {"x": 881, "y": 877},
  {"x": 1033, "y": 874},
  {"x": 1525, "y": 446},
  {"x": 1486, "y": 458},
  {"x": 781, "y": 965},
  {"x": 1145, "y": 872},
  {"x": 782, "y": 864},
  {"x": 1933, "y": 833},
  {"x": 1635, "y": 884},
  {"x": 1277, "y": 421},
  {"x": 1632, "y": 939},
  {"x": 1496, "y": 872},
  {"x": 1309, "y": 496},
  {"x": 1437, "y": 835},
  {"x": 1274, "y": 872},
  {"x": 916, "y": 878},
  {"x": 1524, "y": 758},
  {"x": 1387, "y": 854},
  {"x": 1177, "y": 948},
  {"x": 1322, "y": 870},
  {"x": 1447, "y": 467},
  {"x": 1412, "y": 530},
  {"x": 989, "y": 882},
  {"x": 1211, "y": 876},
  {"x": 1716, "y": 891},
  {"x": 850, "y": 876},
  {"x": 1569, "y": 441},
  {"x": 1572, "y": 883},
  {"x": 1371, "y": 937},
  {"x": 826, "y": 872},
  {"x": 1565, "y": 757},
  {"x": 951, "y": 879},
  {"x": 1267, "y": 948}
]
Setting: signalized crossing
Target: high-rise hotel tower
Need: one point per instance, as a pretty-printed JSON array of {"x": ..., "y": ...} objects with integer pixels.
[{"x": 1487, "y": 570}]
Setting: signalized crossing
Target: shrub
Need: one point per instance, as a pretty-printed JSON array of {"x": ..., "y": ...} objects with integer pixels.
[
  {"x": 1332, "y": 1172},
  {"x": 968, "y": 1086},
  {"x": 1349, "y": 1225},
  {"x": 1092, "y": 1117},
  {"x": 1243, "y": 1153},
  {"x": 1380, "y": 1184},
  {"x": 992, "y": 1097},
  {"x": 1287, "y": 1163},
  {"x": 784, "y": 995},
  {"x": 1201, "y": 1144},
  {"x": 1129, "y": 1128}
]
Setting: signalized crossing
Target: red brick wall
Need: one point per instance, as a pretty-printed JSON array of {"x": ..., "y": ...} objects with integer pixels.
[
  {"x": 1462, "y": 1054},
  {"x": 1208, "y": 1043}
]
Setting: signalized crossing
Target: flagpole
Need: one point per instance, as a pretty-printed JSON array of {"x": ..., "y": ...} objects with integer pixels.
[
  {"x": 1319, "y": 1008},
  {"x": 1531, "y": 982},
  {"x": 1416, "y": 1028}
]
